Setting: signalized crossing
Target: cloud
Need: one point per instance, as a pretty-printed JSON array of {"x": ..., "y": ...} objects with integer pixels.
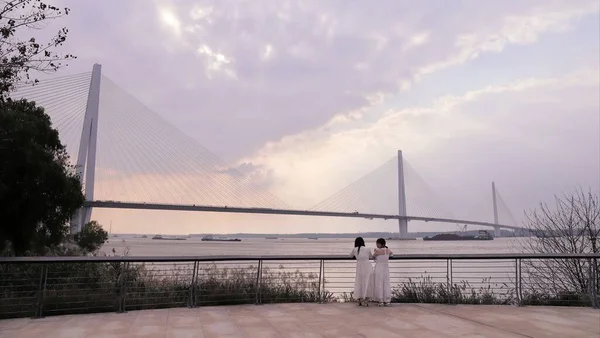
[
  {"x": 519, "y": 123},
  {"x": 215, "y": 62},
  {"x": 278, "y": 68},
  {"x": 170, "y": 20},
  {"x": 514, "y": 28}
]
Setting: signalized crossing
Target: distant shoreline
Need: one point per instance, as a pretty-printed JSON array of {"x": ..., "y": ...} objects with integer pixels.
[{"x": 324, "y": 235}]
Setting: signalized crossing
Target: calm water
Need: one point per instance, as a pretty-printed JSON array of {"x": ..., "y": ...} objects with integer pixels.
[
  {"x": 339, "y": 275},
  {"x": 195, "y": 247}
]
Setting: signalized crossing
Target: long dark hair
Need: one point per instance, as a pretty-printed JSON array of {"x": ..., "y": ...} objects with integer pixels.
[
  {"x": 358, "y": 242},
  {"x": 381, "y": 242}
]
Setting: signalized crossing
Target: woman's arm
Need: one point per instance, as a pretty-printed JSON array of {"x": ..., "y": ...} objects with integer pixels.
[{"x": 353, "y": 253}]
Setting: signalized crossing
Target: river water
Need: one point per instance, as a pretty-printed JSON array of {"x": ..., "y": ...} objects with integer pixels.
[
  {"x": 492, "y": 275},
  {"x": 294, "y": 246}
]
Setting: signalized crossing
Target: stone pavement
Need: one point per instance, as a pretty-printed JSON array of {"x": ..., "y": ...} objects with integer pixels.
[{"x": 319, "y": 320}]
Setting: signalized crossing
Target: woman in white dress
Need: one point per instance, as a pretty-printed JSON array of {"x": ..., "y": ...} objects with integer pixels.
[
  {"x": 364, "y": 270},
  {"x": 381, "y": 289}
]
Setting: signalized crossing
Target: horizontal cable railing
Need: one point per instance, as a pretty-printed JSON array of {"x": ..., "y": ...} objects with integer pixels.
[{"x": 41, "y": 286}]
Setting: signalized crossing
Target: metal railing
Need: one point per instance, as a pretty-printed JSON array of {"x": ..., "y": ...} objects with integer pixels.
[{"x": 41, "y": 286}]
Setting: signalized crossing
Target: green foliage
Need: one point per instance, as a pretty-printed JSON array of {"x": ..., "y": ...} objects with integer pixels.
[
  {"x": 98, "y": 287},
  {"x": 20, "y": 51},
  {"x": 39, "y": 190},
  {"x": 91, "y": 237},
  {"x": 426, "y": 290}
]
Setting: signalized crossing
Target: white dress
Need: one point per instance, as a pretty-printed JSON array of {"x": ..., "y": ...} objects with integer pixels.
[
  {"x": 364, "y": 270},
  {"x": 380, "y": 289}
]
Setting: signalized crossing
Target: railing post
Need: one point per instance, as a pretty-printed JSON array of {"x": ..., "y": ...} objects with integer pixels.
[
  {"x": 521, "y": 282},
  {"x": 41, "y": 291},
  {"x": 320, "y": 294},
  {"x": 323, "y": 283},
  {"x": 192, "y": 300},
  {"x": 449, "y": 279},
  {"x": 596, "y": 280},
  {"x": 518, "y": 281},
  {"x": 592, "y": 284},
  {"x": 258, "y": 299},
  {"x": 122, "y": 290}
]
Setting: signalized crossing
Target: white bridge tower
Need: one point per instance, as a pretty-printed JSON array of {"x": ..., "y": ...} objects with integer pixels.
[
  {"x": 86, "y": 158},
  {"x": 497, "y": 232},
  {"x": 402, "y": 223}
]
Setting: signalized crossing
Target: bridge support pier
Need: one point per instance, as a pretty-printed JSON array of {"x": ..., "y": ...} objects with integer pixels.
[
  {"x": 402, "y": 223},
  {"x": 403, "y": 228},
  {"x": 86, "y": 157},
  {"x": 497, "y": 232}
]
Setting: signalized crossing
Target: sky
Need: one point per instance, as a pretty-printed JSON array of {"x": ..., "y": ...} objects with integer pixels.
[{"x": 305, "y": 97}]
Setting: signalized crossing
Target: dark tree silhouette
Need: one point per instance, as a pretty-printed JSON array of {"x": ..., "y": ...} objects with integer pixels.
[
  {"x": 571, "y": 226},
  {"x": 91, "y": 237},
  {"x": 39, "y": 190},
  {"x": 20, "y": 51}
]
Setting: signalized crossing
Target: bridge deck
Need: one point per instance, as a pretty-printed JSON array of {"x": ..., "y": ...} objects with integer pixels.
[
  {"x": 269, "y": 211},
  {"x": 317, "y": 320}
]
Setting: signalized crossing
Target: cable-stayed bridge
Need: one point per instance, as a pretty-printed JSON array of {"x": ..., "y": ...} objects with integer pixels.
[{"x": 129, "y": 157}]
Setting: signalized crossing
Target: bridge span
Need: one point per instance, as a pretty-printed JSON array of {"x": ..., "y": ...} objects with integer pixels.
[{"x": 269, "y": 211}]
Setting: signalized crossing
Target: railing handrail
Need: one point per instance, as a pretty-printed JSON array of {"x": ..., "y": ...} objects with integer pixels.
[{"x": 141, "y": 259}]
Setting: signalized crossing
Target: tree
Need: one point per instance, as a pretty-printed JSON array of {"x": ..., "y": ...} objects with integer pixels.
[
  {"x": 91, "y": 237},
  {"x": 39, "y": 189},
  {"x": 20, "y": 52},
  {"x": 571, "y": 226}
]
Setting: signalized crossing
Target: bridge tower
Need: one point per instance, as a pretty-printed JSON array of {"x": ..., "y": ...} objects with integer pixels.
[
  {"x": 402, "y": 223},
  {"x": 495, "y": 201},
  {"x": 86, "y": 158}
]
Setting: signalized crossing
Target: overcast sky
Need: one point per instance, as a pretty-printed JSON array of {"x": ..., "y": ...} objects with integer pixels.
[{"x": 311, "y": 95}]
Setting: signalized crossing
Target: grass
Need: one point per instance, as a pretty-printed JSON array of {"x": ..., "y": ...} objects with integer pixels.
[{"x": 426, "y": 290}]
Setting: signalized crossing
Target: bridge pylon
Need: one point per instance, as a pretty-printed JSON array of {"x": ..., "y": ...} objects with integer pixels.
[
  {"x": 86, "y": 157},
  {"x": 497, "y": 232},
  {"x": 402, "y": 223}
]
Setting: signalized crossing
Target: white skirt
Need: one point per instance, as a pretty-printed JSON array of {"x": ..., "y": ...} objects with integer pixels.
[
  {"x": 380, "y": 289},
  {"x": 364, "y": 271}
]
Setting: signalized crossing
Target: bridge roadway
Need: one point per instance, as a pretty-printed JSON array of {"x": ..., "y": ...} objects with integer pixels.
[{"x": 268, "y": 211}]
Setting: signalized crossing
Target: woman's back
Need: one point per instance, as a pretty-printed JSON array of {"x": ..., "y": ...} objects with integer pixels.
[
  {"x": 361, "y": 254},
  {"x": 384, "y": 256},
  {"x": 363, "y": 272},
  {"x": 381, "y": 287}
]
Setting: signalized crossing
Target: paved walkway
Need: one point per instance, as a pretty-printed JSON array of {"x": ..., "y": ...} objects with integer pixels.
[{"x": 317, "y": 320}]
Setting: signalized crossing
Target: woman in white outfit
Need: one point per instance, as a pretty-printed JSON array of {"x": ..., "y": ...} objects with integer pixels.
[
  {"x": 364, "y": 270},
  {"x": 381, "y": 290}
]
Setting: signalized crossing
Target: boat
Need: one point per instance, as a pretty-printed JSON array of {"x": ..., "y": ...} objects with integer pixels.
[
  {"x": 315, "y": 238},
  {"x": 271, "y": 238},
  {"x": 482, "y": 236},
  {"x": 169, "y": 238},
  {"x": 219, "y": 239}
]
